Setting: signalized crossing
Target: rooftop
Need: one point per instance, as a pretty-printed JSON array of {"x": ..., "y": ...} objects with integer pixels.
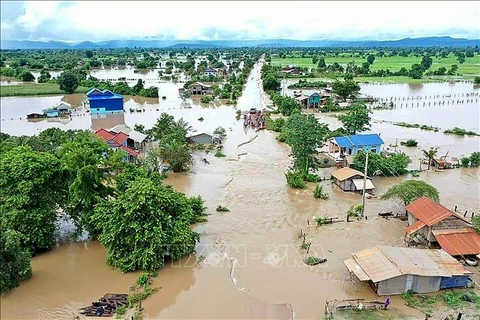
[
  {"x": 385, "y": 262},
  {"x": 345, "y": 173},
  {"x": 428, "y": 211},
  {"x": 459, "y": 241},
  {"x": 359, "y": 140},
  {"x": 97, "y": 94}
]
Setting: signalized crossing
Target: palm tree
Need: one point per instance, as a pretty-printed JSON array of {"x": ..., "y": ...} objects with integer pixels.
[{"x": 430, "y": 154}]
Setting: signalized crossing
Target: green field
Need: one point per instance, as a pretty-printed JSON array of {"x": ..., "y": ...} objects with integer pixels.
[
  {"x": 471, "y": 66},
  {"x": 34, "y": 89}
]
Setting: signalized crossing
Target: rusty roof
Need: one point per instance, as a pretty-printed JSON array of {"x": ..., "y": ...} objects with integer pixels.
[
  {"x": 428, "y": 211},
  {"x": 345, "y": 173},
  {"x": 415, "y": 227},
  {"x": 384, "y": 262},
  {"x": 459, "y": 242}
]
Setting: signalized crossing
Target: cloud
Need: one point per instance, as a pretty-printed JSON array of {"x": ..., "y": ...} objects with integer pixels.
[{"x": 104, "y": 20}]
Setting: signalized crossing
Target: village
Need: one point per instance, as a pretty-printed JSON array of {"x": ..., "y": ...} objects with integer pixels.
[{"x": 279, "y": 195}]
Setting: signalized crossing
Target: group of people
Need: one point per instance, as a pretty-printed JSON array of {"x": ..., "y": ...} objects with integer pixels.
[{"x": 254, "y": 120}]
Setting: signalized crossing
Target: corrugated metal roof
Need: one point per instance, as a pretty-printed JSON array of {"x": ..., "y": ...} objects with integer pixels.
[
  {"x": 376, "y": 265},
  {"x": 385, "y": 262},
  {"x": 104, "y": 134},
  {"x": 352, "y": 266},
  {"x": 345, "y": 173},
  {"x": 359, "y": 140},
  {"x": 120, "y": 138},
  {"x": 428, "y": 211},
  {"x": 359, "y": 184},
  {"x": 415, "y": 227},
  {"x": 459, "y": 243}
]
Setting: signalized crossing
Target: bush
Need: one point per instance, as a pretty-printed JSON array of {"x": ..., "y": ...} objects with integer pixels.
[
  {"x": 222, "y": 209},
  {"x": 275, "y": 125},
  {"x": 475, "y": 159},
  {"x": 465, "y": 162},
  {"x": 409, "y": 143},
  {"x": 318, "y": 193},
  {"x": 460, "y": 132},
  {"x": 206, "y": 99},
  {"x": 295, "y": 180},
  {"x": 355, "y": 211},
  {"x": 476, "y": 80}
]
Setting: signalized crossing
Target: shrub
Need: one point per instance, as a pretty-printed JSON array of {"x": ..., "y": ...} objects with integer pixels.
[
  {"x": 318, "y": 193},
  {"x": 355, "y": 210},
  {"x": 275, "y": 125},
  {"x": 409, "y": 143},
  {"x": 465, "y": 162},
  {"x": 475, "y": 159},
  {"x": 206, "y": 99},
  {"x": 460, "y": 132},
  {"x": 295, "y": 180},
  {"x": 222, "y": 209}
]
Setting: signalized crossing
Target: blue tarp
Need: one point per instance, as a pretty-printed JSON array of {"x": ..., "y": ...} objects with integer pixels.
[
  {"x": 359, "y": 140},
  {"x": 453, "y": 282}
]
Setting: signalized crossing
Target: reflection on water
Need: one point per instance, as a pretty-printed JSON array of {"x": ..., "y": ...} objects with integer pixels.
[{"x": 260, "y": 233}]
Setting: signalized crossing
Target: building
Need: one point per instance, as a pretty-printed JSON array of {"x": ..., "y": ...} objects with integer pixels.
[
  {"x": 200, "y": 138},
  {"x": 201, "y": 88},
  {"x": 314, "y": 100},
  {"x": 441, "y": 163},
  {"x": 349, "y": 179},
  {"x": 210, "y": 72},
  {"x": 393, "y": 270},
  {"x": 64, "y": 108},
  {"x": 51, "y": 113},
  {"x": 104, "y": 101},
  {"x": 302, "y": 99},
  {"x": 339, "y": 147},
  {"x": 136, "y": 140},
  {"x": 118, "y": 141},
  {"x": 432, "y": 223}
]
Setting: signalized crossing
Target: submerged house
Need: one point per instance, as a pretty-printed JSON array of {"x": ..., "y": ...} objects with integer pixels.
[
  {"x": 64, "y": 108},
  {"x": 432, "y": 223},
  {"x": 302, "y": 99},
  {"x": 200, "y": 138},
  {"x": 200, "y": 88},
  {"x": 104, "y": 101},
  {"x": 349, "y": 179},
  {"x": 393, "y": 270},
  {"x": 210, "y": 72},
  {"x": 118, "y": 141},
  {"x": 339, "y": 147}
]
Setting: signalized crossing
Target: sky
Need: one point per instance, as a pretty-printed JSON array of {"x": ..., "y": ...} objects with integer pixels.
[{"x": 237, "y": 20}]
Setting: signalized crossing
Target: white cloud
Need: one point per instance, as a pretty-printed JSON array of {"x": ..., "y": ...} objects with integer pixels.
[{"x": 99, "y": 20}]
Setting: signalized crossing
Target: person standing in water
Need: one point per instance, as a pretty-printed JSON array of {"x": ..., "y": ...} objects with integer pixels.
[{"x": 387, "y": 303}]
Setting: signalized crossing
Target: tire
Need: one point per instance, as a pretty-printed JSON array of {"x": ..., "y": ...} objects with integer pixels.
[{"x": 471, "y": 262}]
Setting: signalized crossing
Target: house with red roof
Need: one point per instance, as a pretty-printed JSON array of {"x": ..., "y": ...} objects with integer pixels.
[
  {"x": 434, "y": 223},
  {"x": 118, "y": 141}
]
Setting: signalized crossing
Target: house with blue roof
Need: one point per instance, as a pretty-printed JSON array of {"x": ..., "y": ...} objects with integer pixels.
[
  {"x": 342, "y": 147},
  {"x": 104, "y": 101}
]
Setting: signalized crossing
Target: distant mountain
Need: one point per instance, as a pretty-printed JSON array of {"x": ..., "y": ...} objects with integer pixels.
[{"x": 272, "y": 43}]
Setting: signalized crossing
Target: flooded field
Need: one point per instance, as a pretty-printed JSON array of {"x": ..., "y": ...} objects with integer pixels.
[{"x": 253, "y": 264}]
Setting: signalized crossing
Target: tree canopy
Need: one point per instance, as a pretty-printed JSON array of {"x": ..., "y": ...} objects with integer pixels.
[
  {"x": 144, "y": 225},
  {"x": 386, "y": 165},
  {"x": 68, "y": 81},
  {"x": 411, "y": 190},
  {"x": 14, "y": 260},
  {"x": 345, "y": 89},
  {"x": 357, "y": 119}
]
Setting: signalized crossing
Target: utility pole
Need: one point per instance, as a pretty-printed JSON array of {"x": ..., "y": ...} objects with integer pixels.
[
  {"x": 396, "y": 139},
  {"x": 364, "y": 184}
]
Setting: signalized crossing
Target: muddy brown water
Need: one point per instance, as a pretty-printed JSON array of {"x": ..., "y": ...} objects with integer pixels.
[{"x": 252, "y": 266}]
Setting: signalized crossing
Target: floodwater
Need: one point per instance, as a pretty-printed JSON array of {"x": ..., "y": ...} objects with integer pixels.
[{"x": 253, "y": 262}]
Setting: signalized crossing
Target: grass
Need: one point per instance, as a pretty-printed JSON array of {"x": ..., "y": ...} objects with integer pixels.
[
  {"x": 34, "y": 89},
  {"x": 451, "y": 299},
  {"x": 470, "y": 66}
]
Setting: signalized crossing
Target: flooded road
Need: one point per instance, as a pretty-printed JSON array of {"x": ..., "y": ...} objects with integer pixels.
[{"x": 251, "y": 265}]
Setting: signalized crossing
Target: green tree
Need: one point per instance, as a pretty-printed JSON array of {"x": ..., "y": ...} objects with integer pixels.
[
  {"x": 44, "y": 76},
  {"x": 89, "y": 166},
  {"x": 357, "y": 119},
  {"x": 175, "y": 152},
  {"x": 416, "y": 71},
  {"x": 89, "y": 54},
  {"x": 426, "y": 62},
  {"x": 321, "y": 63},
  {"x": 68, "y": 81},
  {"x": 144, "y": 225},
  {"x": 30, "y": 184},
  {"x": 28, "y": 77},
  {"x": 476, "y": 80},
  {"x": 271, "y": 82},
  {"x": 304, "y": 134},
  {"x": 389, "y": 165},
  {"x": 411, "y": 190},
  {"x": 138, "y": 87},
  {"x": 453, "y": 70},
  {"x": 315, "y": 59},
  {"x": 14, "y": 260},
  {"x": 370, "y": 58},
  {"x": 461, "y": 57},
  {"x": 430, "y": 155},
  {"x": 475, "y": 159},
  {"x": 345, "y": 89}
]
